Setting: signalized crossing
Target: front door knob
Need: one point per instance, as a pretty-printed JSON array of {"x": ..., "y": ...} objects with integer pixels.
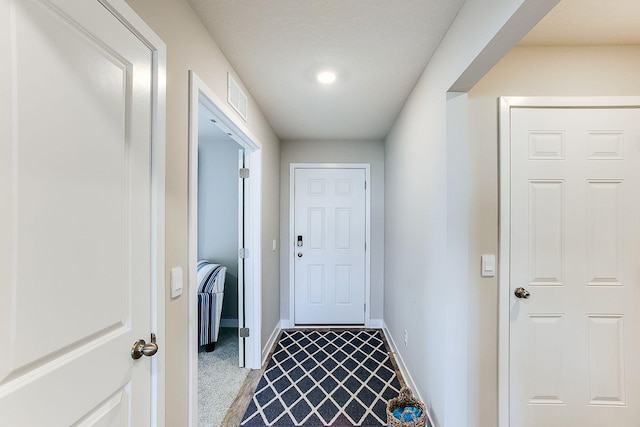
[
  {"x": 141, "y": 348},
  {"x": 522, "y": 293}
]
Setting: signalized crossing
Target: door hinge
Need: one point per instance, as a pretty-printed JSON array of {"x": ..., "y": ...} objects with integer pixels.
[
  {"x": 243, "y": 253},
  {"x": 243, "y": 173},
  {"x": 365, "y": 307},
  {"x": 244, "y": 332},
  {"x": 365, "y": 185},
  {"x": 365, "y": 246}
]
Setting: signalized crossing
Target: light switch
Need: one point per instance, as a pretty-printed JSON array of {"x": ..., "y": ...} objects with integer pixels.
[
  {"x": 176, "y": 282},
  {"x": 488, "y": 265}
]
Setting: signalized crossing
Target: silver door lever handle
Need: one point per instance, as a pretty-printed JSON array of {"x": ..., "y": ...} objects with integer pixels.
[{"x": 141, "y": 348}]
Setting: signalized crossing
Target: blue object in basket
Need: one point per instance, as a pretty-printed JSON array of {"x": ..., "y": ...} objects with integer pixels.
[
  {"x": 410, "y": 413},
  {"x": 397, "y": 412}
]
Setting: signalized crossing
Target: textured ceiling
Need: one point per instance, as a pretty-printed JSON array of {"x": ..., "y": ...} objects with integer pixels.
[
  {"x": 378, "y": 48},
  {"x": 588, "y": 22}
]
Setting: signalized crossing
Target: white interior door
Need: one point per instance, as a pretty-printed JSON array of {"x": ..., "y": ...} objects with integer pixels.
[
  {"x": 575, "y": 246},
  {"x": 241, "y": 244},
  {"x": 329, "y": 248},
  {"x": 75, "y": 197}
]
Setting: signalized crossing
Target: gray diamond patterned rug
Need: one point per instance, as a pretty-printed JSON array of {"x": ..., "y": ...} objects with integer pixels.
[{"x": 325, "y": 378}]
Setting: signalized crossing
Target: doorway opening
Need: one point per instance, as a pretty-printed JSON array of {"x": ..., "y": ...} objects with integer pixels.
[{"x": 224, "y": 253}]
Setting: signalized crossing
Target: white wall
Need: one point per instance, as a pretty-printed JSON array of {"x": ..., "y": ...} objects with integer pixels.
[
  {"x": 190, "y": 47},
  {"x": 525, "y": 71},
  {"x": 218, "y": 213},
  {"x": 425, "y": 239},
  {"x": 371, "y": 152}
]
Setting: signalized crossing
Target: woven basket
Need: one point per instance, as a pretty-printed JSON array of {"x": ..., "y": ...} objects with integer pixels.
[{"x": 403, "y": 400}]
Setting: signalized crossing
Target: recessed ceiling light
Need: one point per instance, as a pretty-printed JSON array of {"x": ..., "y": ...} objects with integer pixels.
[{"x": 326, "y": 77}]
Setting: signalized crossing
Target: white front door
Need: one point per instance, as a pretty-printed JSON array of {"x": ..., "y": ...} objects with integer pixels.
[
  {"x": 575, "y": 247},
  {"x": 75, "y": 209},
  {"x": 329, "y": 255}
]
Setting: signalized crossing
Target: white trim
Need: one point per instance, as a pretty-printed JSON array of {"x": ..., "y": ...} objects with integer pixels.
[
  {"x": 504, "y": 222},
  {"x": 272, "y": 339},
  {"x": 125, "y": 14},
  {"x": 291, "y": 245},
  {"x": 504, "y": 225},
  {"x": 253, "y": 264},
  {"x": 200, "y": 94},
  {"x": 408, "y": 379}
]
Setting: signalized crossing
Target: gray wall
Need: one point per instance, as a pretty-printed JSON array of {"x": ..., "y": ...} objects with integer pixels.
[
  {"x": 425, "y": 223},
  {"x": 371, "y": 152},
  {"x": 218, "y": 213}
]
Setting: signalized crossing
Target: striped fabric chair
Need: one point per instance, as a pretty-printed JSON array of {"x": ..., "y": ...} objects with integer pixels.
[{"x": 210, "y": 293}]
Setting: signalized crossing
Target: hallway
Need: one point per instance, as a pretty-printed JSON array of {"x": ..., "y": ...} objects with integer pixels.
[{"x": 96, "y": 173}]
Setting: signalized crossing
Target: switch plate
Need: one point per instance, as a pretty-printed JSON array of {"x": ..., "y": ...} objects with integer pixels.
[
  {"x": 176, "y": 282},
  {"x": 488, "y": 265}
]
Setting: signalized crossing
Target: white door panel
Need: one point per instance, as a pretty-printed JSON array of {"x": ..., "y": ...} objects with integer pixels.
[
  {"x": 241, "y": 261},
  {"x": 330, "y": 263},
  {"x": 575, "y": 245},
  {"x": 75, "y": 190}
]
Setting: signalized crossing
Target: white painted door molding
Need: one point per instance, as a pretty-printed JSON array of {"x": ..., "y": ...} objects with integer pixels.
[
  {"x": 158, "y": 153},
  {"x": 507, "y": 104},
  {"x": 200, "y": 96},
  {"x": 292, "y": 244}
]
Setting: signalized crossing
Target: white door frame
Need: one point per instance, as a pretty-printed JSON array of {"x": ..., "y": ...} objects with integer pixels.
[
  {"x": 504, "y": 293},
  {"x": 231, "y": 123},
  {"x": 292, "y": 247},
  {"x": 158, "y": 48}
]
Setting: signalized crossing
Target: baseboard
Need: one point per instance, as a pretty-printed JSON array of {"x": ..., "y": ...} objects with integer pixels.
[
  {"x": 403, "y": 367},
  {"x": 272, "y": 339},
  {"x": 228, "y": 323},
  {"x": 408, "y": 379}
]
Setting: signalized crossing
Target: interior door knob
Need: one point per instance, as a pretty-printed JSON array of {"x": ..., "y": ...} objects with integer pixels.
[
  {"x": 141, "y": 348},
  {"x": 522, "y": 293}
]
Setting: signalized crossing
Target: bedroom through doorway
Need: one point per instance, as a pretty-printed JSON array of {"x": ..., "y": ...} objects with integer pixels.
[
  {"x": 219, "y": 269},
  {"x": 224, "y": 255}
]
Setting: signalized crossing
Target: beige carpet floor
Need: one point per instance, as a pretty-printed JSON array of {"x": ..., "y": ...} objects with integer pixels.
[{"x": 219, "y": 379}]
